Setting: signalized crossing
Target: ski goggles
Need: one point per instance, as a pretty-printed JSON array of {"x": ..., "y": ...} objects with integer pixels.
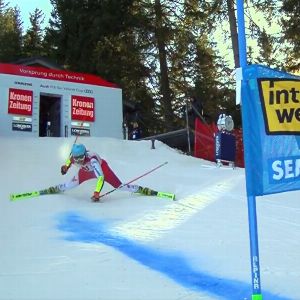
[{"x": 79, "y": 159}]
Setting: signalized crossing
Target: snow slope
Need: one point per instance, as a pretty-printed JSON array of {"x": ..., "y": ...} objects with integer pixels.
[{"x": 64, "y": 247}]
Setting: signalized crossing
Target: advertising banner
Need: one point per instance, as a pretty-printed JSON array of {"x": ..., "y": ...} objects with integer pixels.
[
  {"x": 18, "y": 126},
  {"x": 20, "y": 102},
  {"x": 61, "y": 75},
  {"x": 80, "y": 131},
  {"x": 82, "y": 108},
  {"x": 271, "y": 124}
]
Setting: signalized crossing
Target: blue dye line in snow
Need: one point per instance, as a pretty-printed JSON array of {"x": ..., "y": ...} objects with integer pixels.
[{"x": 83, "y": 229}]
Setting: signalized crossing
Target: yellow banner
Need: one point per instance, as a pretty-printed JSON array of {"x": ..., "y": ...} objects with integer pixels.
[{"x": 281, "y": 105}]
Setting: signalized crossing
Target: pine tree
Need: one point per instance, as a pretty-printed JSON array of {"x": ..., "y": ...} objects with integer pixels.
[
  {"x": 33, "y": 39},
  {"x": 10, "y": 33},
  {"x": 267, "y": 49},
  {"x": 291, "y": 28}
]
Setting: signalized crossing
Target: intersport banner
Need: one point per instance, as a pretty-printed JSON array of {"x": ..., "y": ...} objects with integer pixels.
[{"x": 271, "y": 125}]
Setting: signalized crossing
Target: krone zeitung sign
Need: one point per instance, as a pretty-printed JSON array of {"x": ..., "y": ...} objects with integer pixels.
[{"x": 20, "y": 102}]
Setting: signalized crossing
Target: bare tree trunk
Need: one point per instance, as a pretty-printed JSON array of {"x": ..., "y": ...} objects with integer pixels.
[
  {"x": 164, "y": 81},
  {"x": 233, "y": 32}
]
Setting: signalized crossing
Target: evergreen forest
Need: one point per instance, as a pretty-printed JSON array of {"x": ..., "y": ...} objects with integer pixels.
[{"x": 161, "y": 53}]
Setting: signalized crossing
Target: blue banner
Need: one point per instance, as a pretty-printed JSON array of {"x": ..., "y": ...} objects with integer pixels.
[{"x": 271, "y": 125}]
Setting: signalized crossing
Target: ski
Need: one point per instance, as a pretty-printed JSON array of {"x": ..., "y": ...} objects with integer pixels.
[
  {"x": 22, "y": 196},
  {"x": 166, "y": 195},
  {"x": 28, "y": 195},
  {"x": 149, "y": 192}
]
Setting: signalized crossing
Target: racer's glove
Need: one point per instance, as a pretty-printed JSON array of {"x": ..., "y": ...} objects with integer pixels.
[
  {"x": 96, "y": 197},
  {"x": 64, "y": 169}
]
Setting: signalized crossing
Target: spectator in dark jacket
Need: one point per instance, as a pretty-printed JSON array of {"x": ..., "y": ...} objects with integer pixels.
[{"x": 136, "y": 132}]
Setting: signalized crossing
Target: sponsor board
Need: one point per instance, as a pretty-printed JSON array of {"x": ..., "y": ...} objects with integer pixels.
[
  {"x": 23, "y": 83},
  {"x": 20, "y": 102},
  {"x": 80, "y": 124},
  {"x": 284, "y": 169},
  {"x": 21, "y": 126},
  {"x": 271, "y": 130},
  {"x": 61, "y": 75},
  {"x": 22, "y": 119},
  {"x": 82, "y": 108},
  {"x": 280, "y": 100},
  {"x": 80, "y": 131}
]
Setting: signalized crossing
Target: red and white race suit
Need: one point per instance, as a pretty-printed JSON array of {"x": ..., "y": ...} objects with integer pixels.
[{"x": 94, "y": 167}]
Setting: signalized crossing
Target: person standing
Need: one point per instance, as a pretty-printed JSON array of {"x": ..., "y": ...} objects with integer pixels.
[{"x": 136, "y": 132}]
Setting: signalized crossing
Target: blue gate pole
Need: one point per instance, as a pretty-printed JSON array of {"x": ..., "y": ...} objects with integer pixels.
[
  {"x": 252, "y": 219},
  {"x": 241, "y": 33},
  {"x": 255, "y": 269}
]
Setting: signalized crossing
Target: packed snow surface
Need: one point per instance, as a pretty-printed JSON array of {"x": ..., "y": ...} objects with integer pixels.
[{"x": 133, "y": 247}]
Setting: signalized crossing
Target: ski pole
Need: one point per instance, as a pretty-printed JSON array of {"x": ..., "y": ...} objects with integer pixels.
[
  {"x": 77, "y": 136},
  {"x": 73, "y": 145},
  {"x": 135, "y": 179}
]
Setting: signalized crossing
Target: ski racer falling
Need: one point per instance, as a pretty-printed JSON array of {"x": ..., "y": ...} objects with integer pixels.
[{"x": 91, "y": 166}]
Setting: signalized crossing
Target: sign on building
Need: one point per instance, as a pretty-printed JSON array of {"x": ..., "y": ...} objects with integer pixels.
[
  {"x": 20, "y": 102},
  {"x": 37, "y": 101},
  {"x": 272, "y": 130}
]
